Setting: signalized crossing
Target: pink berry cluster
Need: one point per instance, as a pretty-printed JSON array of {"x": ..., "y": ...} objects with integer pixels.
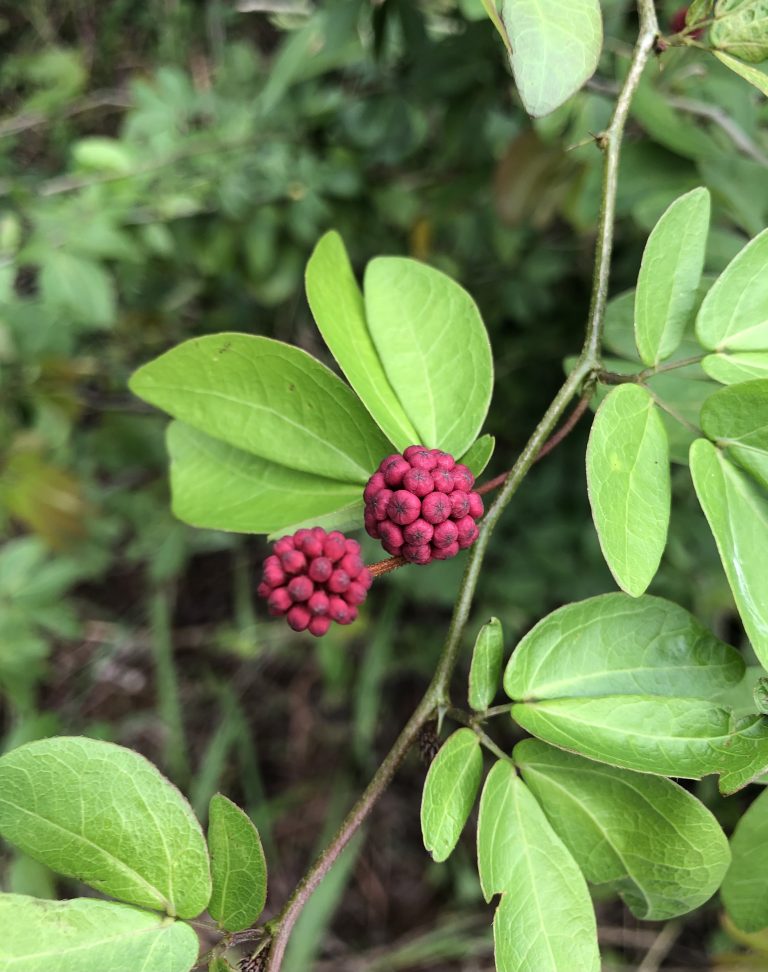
[
  {"x": 421, "y": 505},
  {"x": 313, "y": 578}
]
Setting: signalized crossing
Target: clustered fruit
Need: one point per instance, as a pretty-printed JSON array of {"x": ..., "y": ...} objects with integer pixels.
[
  {"x": 421, "y": 505},
  {"x": 313, "y": 578}
]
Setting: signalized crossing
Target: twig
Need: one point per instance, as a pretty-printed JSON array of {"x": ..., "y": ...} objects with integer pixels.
[
  {"x": 99, "y": 99},
  {"x": 661, "y": 947}
]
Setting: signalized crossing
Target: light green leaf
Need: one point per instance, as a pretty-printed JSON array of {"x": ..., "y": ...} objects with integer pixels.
[
  {"x": 82, "y": 287},
  {"x": 339, "y": 312},
  {"x": 545, "y": 922},
  {"x": 266, "y": 398},
  {"x": 669, "y": 276},
  {"x": 645, "y": 837},
  {"x": 690, "y": 738},
  {"x": 347, "y": 518},
  {"x": 477, "y": 457},
  {"x": 86, "y": 935},
  {"x": 450, "y": 790},
  {"x": 613, "y": 644},
  {"x": 738, "y": 516},
  {"x": 745, "y": 889},
  {"x": 731, "y": 368},
  {"x": 755, "y": 76},
  {"x": 734, "y": 314},
  {"x": 238, "y": 866},
  {"x": 741, "y": 28},
  {"x": 219, "y": 487},
  {"x": 555, "y": 48},
  {"x": 738, "y": 415},
  {"x": 432, "y": 342},
  {"x": 485, "y": 670},
  {"x": 629, "y": 485},
  {"x": 760, "y": 695},
  {"x": 105, "y": 815},
  {"x": 103, "y": 154},
  {"x": 698, "y": 11}
]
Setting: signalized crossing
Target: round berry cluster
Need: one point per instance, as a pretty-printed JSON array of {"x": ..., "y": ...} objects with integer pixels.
[
  {"x": 421, "y": 505},
  {"x": 313, "y": 578}
]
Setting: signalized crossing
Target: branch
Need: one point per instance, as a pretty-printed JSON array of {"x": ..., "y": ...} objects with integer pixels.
[{"x": 436, "y": 697}]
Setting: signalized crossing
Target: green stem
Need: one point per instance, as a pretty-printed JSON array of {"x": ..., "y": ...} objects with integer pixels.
[
  {"x": 167, "y": 686},
  {"x": 437, "y": 697}
]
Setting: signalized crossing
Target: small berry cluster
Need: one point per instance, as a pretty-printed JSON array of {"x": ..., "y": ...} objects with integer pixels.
[
  {"x": 421, "y": 505},
  {"x": 313, "y": 578}
]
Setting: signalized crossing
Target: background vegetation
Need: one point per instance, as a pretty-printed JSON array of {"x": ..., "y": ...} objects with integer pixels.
[{"x": 165, "y": 170}]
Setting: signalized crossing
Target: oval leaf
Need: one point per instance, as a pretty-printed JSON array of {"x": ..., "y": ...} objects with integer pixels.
[
  {"x": 450, "y": 790},
  {"x": 485, "y": 670},
  {"x": 731, "y": 368},
  {"x": 617, "y": 645},
  {"x": 667, "y": 285},
  {"x": 545, "y": 921},
  {"x": 105, "y": 815},
  {"x": 219, "y": 487},
  {"x": 337, "y": 306},
  {"x": 737, "y": 513},
  {"x": 266, "y": 398},
  {"x": 238, "y": 866},
  {"x": 733, "y": 314},
  {"x": 629, "y": 485},
  {"x": 644, "y": 837},
  {"x": 86, "y": 935},
  {"x": 745, "y": 889},
  {"x": 664, "y": 736},
  {"x": 434, "y": 347},
  {"x": 555, "y": 48}
]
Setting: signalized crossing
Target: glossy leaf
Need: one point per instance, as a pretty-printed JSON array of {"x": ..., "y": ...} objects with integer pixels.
[
  {"x": 238, "y": 866},
  {"x": 449, "y": 793},
  {"x": 485, "y": 670},
  {"x": 740, "y": 27},
  {"x": 629, "y": 485},
  {"x": 745, "y": 889},
  {"x": 87, "y": 935},
  {"x": 733, "y": 314},
  {"x": 337, "y": 306},
  {"x": 613, "y": 644},
  {"x": 105, "y": 815},
  {"x": 669, "y": 276},
  {"x": 434, "y": 347},
  {"x": 737, "y": 512},
  {"x": 682, "y": 737},
  {"x": 268, "y": 399},
  {"x": 643, "y": 837},
  {"x": 555, "y": 48},
  {"x": 219, "y": 487},
  {"x": 545, "y": 919},
  {"x": 731, "y": 368},
  {"x": 477, "y": 457}
]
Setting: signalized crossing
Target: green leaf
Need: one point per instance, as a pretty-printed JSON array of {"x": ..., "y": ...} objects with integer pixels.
[
  {"x": 745, "y": 889},
  {"x": 347, "y": 518},
  {"x": 664, "y": 736},
  {"x": 105, "y": 815},
  {"x": 477, "y": 457},
  {"x": 545, "y": 921},
  {"x": 760, "y": 695},
  {"x": 434, "y": 347},
  {"x": 755, "y": 76},
  {"x": 485, "y": 670},
  {"x": 731, "y": 368},
  {"x": 629, "y": 485},
  {"x": 219, "y": 487},
  {"x": 732, "y": 315},
  {"x": 339, "y": 312},
  {"x": 86, "y": 935},
  {"x": 738, "y": 516},
  {"x": 266, "y": 398},
  {"x": 736, "y": 417},
  {"x": 741, "y": 28},
  {"x": 698, "y": 11},
  {"x": 555, "y": 49},
  {"x": 238, "y": 866},
  {"x": 450, "y": 790},
  {"x": 644, "y": 837},
  {"x": 669, "y": 276},
  {"x": 82, "y": 287},
  {"x": 613, "y": 644}
]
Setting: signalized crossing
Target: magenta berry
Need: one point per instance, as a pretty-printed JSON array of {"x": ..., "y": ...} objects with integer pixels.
[
  {"x": 314, "y": 578},
  {"x": 421, "y": 505}
]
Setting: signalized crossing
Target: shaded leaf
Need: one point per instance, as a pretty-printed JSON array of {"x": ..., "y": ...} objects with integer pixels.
[
  {"x": 755, "y": 76},
  {"x": 730, "y": 368},
  {"x": 477, "y": 457},
  {"x": 450, "y": 790},
  {"x": 745, "y": 890},
  {"x": 485, "y": 670},
  {"x": 82, "y": 287},
  {"x": 238, "y": 866}
]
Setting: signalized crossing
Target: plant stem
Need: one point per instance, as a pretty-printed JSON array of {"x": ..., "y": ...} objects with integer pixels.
[{"x": 437, "y": 695}]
